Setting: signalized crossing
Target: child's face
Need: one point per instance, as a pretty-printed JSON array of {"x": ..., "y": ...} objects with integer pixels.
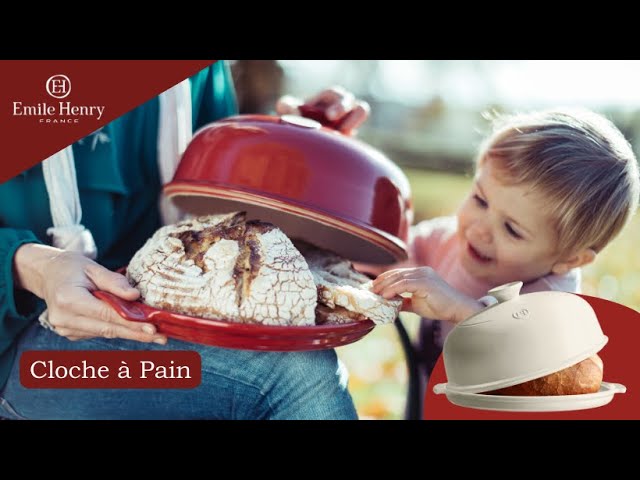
[{"x": 505, "y": 230}]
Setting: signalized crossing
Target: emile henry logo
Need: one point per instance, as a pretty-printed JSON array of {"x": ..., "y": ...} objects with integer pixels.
[{"x": 58, "y": 87}]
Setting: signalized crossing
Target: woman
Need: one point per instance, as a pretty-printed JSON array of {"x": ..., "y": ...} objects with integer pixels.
[{"x": 119, "y": 172}]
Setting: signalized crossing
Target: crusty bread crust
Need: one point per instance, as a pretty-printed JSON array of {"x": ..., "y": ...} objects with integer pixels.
[
  {"x": 225, "y": 267},
  {"x": 345, "y": 290},
  {"x": 583, "y": 377}
]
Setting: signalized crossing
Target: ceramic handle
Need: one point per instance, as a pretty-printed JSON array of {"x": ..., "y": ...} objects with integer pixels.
[
  {"x": 618, "y": 388},
  {"x": 133, "y": 311},
  {"x": 440, "y": 388},
  {"x": 506, "y": 292}
]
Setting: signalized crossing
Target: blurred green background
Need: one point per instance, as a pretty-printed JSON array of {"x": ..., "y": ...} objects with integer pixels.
[{"x": 427, "y": 116}]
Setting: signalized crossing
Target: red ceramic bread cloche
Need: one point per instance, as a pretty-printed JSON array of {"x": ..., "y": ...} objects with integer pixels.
[{"x": 311, "y": 181}]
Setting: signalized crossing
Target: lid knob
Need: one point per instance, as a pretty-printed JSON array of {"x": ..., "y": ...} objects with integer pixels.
[
  {"x": 299, "y": 121},
  {"x": 506, "y": 292}
]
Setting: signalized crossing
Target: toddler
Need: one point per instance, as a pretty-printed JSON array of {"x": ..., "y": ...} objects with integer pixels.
[{"x": 551, "y": 190}]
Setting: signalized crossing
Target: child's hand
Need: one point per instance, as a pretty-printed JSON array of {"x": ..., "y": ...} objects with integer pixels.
[{"x": 432, "y": 296}]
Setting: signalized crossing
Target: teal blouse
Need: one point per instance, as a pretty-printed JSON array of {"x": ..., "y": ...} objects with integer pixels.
[{"x": 119, "y": 187}]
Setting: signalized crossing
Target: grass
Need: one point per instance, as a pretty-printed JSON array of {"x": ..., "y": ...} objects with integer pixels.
[{"x": 378, "y": 377}]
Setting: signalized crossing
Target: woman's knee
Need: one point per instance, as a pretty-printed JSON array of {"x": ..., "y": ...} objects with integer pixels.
[
  {"x": 316, "y": 367},
  {"x": 310, "y": 385}
]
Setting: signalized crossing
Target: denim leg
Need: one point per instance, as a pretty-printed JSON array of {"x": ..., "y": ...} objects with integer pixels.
[
  {"x": 308, "y": 385},
  {"x": 236, "y": 384}
]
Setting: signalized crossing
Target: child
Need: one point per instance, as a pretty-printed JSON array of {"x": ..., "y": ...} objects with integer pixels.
[{"x": 551, "y": 190}]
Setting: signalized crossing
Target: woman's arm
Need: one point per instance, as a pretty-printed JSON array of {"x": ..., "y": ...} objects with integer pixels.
[
  {"x": 214, "y": 95},
  {"x": 65, "y": 280}
]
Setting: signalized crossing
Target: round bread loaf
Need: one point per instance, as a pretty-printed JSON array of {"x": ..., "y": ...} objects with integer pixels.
[
  {"x": 583, "y": 377},
  {"x": 224, "y": 267}
]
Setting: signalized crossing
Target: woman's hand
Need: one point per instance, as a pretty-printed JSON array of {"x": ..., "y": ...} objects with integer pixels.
[
  {"x": 65, "y": 281},
  {"x": 338, "y": 105},
  {"x": 432, "y": 297}
]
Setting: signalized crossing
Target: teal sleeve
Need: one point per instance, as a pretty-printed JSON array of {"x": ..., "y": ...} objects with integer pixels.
[
  {"x": 18, "y": 308},
  {"x": 219, "y": 96},
  {"x": 15, "y": 304}
]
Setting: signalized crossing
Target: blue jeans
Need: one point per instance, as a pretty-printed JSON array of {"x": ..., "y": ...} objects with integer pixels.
[{"x": 236, "y": 384}]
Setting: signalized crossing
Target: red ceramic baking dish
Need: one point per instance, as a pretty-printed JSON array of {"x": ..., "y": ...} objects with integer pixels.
[
  {"x": 238, "y": 335},
  {"x": 312, "y": 182}
]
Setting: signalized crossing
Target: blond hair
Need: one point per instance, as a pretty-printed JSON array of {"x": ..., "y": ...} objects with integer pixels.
[{"x": 580, "y": 161}]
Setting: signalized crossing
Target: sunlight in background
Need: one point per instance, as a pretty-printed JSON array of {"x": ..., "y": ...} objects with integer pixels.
[
  {"x": 595, "y": 83},
  {"x": 515, "y": 83}
]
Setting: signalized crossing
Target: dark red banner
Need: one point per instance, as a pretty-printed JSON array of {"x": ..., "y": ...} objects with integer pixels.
[
  {"x": 110, "y": 369},
  {"x": 49, "y": 104}
]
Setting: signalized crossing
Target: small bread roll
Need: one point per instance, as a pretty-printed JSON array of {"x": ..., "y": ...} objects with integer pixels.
[{"x": 583, "y": 377}]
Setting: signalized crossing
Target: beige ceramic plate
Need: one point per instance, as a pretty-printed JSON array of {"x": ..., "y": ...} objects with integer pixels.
[{"x": 552, "y": 403}]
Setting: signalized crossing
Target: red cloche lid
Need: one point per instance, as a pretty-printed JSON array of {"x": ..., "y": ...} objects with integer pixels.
[{"x": 311, "y": 181}]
